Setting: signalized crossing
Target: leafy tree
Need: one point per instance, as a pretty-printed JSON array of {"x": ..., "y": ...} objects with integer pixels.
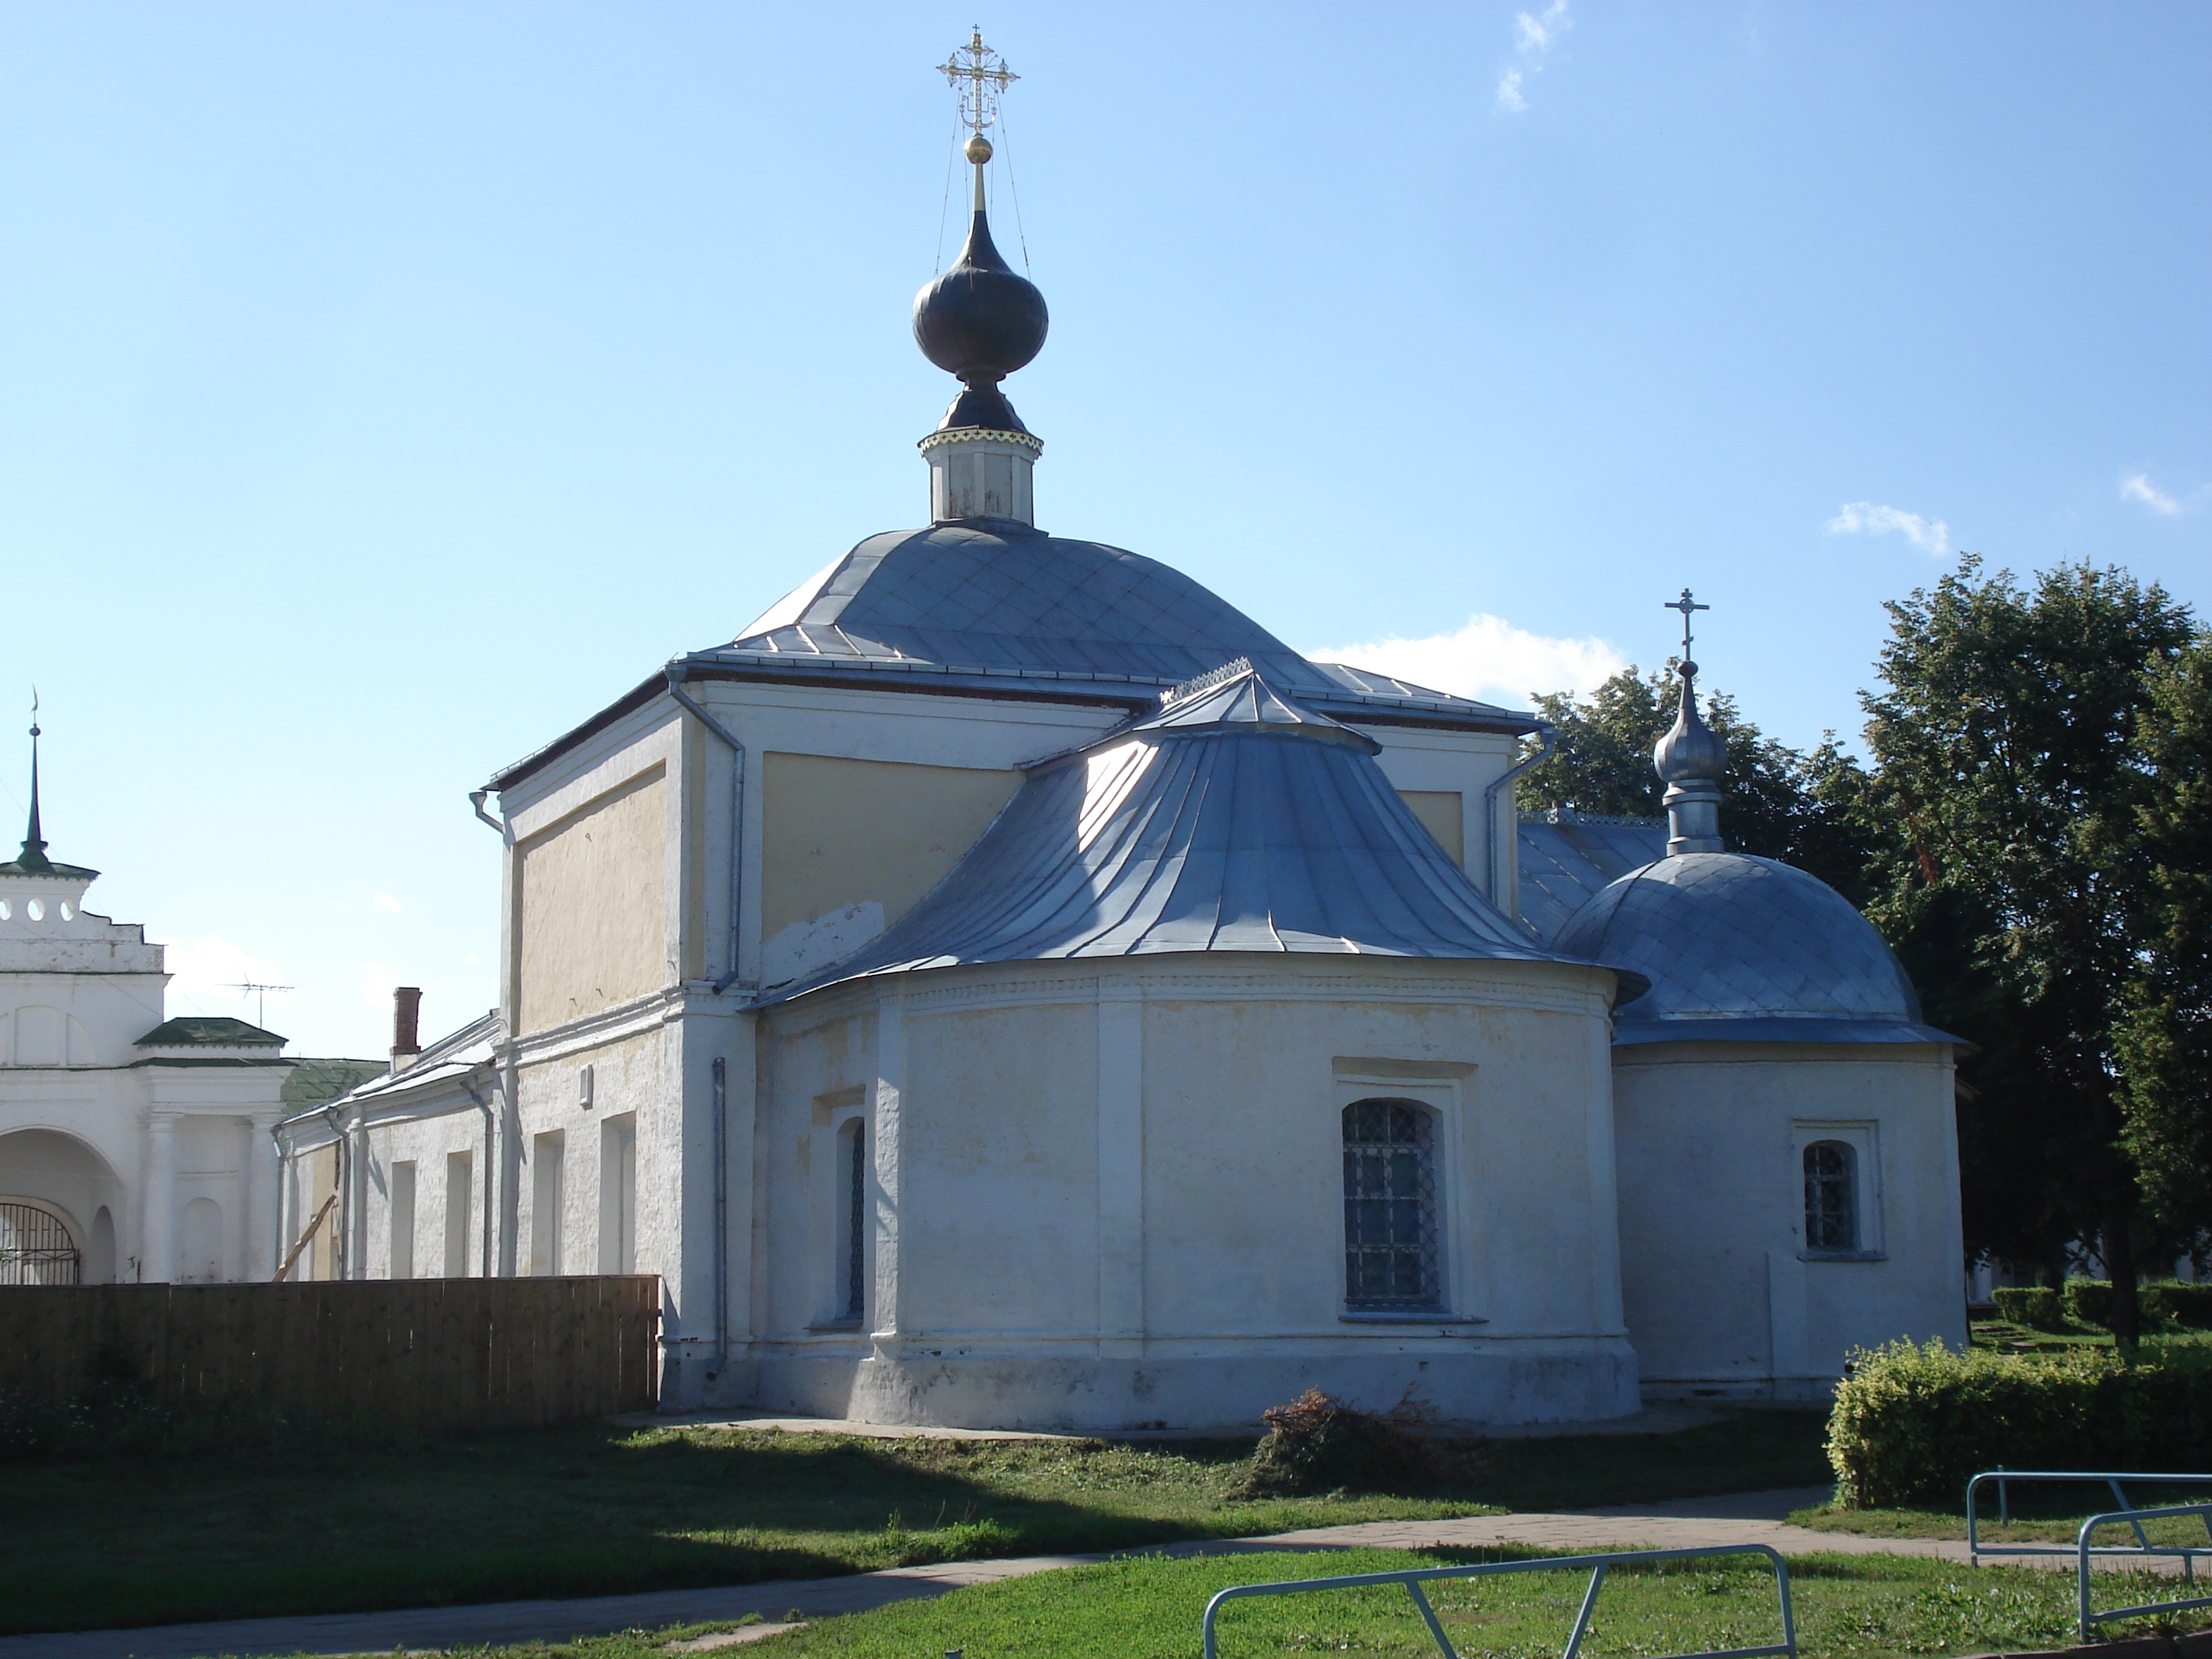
[
  {"x": 2012, "y": 781},
  {"x": 2165, "y": 1044},
  {"x": 1782, "y": 802}
]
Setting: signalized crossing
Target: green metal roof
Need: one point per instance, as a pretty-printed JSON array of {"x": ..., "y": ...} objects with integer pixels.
[
  {"x": 209, "y": 1031},
  {"x": 317, "y": 1082}
]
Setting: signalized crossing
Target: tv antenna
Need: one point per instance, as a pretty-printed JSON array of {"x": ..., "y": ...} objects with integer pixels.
[{"x": 260, "y": 994}]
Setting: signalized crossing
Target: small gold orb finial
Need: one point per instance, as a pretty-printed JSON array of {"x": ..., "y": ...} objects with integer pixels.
[{"x": 977, "y": 149}]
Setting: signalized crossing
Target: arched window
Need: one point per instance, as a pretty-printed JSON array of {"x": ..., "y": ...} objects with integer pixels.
[
  {"x": 852, "y": 1245},
  {"x": 1390, "y": 1205},
  {"x": 1832, "y": 1196}
]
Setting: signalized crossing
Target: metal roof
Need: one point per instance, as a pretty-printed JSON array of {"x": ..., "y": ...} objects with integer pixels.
[
  {"x": 1565, "y": 860},
  {"x": 998, "y": 598},
  {"x": 1745, "y": 949},
  {"x": 1232, "y": 819}
]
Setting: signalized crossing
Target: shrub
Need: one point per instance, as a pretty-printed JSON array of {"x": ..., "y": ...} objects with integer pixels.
[
  {"x": 2187, "y": 1304},
  {"x": 1910, "y": 1424},
  {"x": 2089, "y": 1302},
  {"x": 2035, "y": 1305},
  {"x": 1320, "y": 1444}
]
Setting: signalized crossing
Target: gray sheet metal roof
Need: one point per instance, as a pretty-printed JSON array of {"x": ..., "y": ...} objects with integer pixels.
[
  {"x": 1567, "y": 861},
  {"x": 994, "y": 600},
  {"x": 1233, "y": 818},
  {"x": 1745, "y": 949}
]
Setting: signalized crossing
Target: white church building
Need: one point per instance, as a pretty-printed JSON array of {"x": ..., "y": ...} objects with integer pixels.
[{"x": 1004, "y": 985}]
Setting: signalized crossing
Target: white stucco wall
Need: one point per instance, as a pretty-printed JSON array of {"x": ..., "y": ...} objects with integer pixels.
[
  {"x": 1108, "y": 1194},
  {"x": 1724, "y": 1299}
]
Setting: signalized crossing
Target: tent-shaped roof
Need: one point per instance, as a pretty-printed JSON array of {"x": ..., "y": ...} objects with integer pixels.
[{"x": 1233, "y": 817}]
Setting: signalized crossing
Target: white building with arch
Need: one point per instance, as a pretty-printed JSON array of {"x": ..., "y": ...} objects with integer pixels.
[{"x": 134, "y": 1148}]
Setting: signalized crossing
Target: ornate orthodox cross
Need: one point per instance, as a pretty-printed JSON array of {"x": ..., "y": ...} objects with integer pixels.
[
  {"x": 1685, "y": 604},
  {"x": 977, "y": 76}
]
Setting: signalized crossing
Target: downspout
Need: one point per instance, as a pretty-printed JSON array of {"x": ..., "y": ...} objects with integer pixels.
[
  {"x": 1548, "y": 743},
  {"x": 676, "y": 674},
  {"x": 476, "y": 799},
  {"x": 722, "y": 1069},
  {"x": 341, "y": 1257},
  {"x": 722, "y": 1358},
  {"x": 490, "y": 1174},
  {"x": 284, "y": 1186}
]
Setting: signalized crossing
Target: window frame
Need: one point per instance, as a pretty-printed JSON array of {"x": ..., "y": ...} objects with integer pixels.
[
  {"x": 1433, "y": 1245},
  {"x": 1863, "y": 1139}
]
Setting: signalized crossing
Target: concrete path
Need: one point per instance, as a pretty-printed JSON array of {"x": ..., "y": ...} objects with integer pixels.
[{"x": 1742, "y": 1518}]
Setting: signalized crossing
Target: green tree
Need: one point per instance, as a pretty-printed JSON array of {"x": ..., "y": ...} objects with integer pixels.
[
  {"x": 2017, "y": 883},
  {"x": 2165, "y": 1043},
  {"x": 1783, "y": 803}
]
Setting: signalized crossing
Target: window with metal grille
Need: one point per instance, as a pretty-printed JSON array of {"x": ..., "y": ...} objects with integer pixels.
[
  {"x": 1390, "y": 1205},
  {"x": 35, "y": 1247},
  {"x": 1832, "y": 1197},
  {"x": 856, "y": 1212}
]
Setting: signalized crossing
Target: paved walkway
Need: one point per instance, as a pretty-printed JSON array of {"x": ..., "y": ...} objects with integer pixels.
[{"x": 1742, "y": 1518}]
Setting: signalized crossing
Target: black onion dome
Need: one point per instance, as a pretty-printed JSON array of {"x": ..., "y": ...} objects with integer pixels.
[{"x": 980, "y": 320}]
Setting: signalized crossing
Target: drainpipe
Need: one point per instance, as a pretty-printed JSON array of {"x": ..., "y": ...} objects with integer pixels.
[
  {"x": 721, "y": 1218},
  {"x": 676, "y": 676},
  {"x": 476, "y": 799},
  {"x": 341, "y": 1257},
  {"x": 489, "y": 1175},
  {"x": 1548, "y": 741}
]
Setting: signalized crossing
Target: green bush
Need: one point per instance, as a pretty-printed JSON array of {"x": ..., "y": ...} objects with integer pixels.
[
  {"x": 2187, "y": 1304},
  {"x": 2160, "y": 1301},
  {"x": 2088, "y": 1302},
  {"x": 2035, "y": 1305},
  {"x": 1910, "y": 1424}
]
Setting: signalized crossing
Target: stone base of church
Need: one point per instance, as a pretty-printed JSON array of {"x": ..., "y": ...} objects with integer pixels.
[
  {"x": 1775, "y": 1390},
  {"x": 1533, "y": 1382}
]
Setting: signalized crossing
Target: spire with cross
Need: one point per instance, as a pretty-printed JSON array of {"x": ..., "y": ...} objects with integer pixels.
[
  {"x": 978, "y": 76},
  {"x": 1685, "y": 604}
]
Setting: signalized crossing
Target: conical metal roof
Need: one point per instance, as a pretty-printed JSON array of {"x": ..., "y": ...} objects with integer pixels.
[{"x": 1231, "y": 819}]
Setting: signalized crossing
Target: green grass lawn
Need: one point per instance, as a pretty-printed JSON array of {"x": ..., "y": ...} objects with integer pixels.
[
  {"x": 2044, "y": 1514},
  {"x": 593, "y": 1510},
  {"x": 2005, "y": 1337},
  {"x": 1148, "y": 1608}
]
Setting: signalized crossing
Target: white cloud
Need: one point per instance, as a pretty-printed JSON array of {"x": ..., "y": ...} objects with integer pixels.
[
  {"x": 2139, "y": 488},
  {"x": 386, "y": 903},
  {"x": 207, "y": 972},
  {"x": 1489, "y": 659},
  {"x": 1534, "y": 35},
  {"x": 1931, "y": 536}
]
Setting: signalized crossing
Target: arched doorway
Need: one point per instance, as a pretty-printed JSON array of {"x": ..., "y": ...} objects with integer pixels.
[
  {"x": 52, "y": 1187},
  {"x": 37, "y": 1245}
]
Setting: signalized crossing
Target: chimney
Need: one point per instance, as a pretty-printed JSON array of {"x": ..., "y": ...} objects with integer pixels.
[{"x": 406, "y": 1025}]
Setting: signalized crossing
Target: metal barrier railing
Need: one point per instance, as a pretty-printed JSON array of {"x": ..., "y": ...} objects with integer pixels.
[
  {"x": 2084, "y": 1551},
  {"x": 1415, "y": 1577},
  {"x": 2002, "y": 1479}
]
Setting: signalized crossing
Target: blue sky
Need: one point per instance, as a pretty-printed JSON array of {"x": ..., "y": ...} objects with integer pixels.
[{"x": 383, "y": 388}]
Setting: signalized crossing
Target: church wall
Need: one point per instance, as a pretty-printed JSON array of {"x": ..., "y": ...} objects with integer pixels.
[
  {"x": 1442, "y": 814},
  {"x": 592, "y": 900},
  {"x": 839, "y": 834},
  {"x": 1723, "y": 1298},
  {"x": 1424, "y": 765},
  {"x": 1106, "y": 1194}
]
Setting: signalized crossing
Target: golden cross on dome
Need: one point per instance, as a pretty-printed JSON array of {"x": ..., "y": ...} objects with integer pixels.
[
  {"x": 1685, "y": 604},
  {"x": 978, "y": 76}
]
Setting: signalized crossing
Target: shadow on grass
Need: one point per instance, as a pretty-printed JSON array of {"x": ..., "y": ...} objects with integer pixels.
[{"x": 593, "y": 1510}]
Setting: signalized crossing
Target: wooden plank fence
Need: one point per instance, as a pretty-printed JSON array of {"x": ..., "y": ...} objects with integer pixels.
[{"x": 425, "y": 1353}]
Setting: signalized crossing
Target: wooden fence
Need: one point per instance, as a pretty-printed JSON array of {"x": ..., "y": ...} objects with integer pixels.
[{"x": 425, "y": 1353}]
